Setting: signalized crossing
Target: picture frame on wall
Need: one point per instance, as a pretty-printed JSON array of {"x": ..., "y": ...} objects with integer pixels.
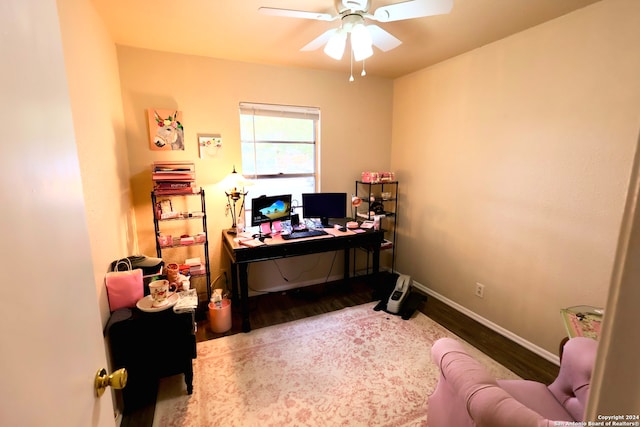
[
  {"x": 208, "y": 144},
  {"x": 166, "y": 130}
]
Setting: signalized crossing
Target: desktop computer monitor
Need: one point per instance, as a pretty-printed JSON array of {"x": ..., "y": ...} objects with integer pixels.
[
  {"x": 267, "y": 209},
  {"x": 324, "y": 206}
]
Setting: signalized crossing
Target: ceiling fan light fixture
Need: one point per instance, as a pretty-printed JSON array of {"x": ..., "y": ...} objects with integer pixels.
[
  {"x": 336, "y": 44},
  {"x": 352, "y": 14},
  {"x": 361, "y": 42}
]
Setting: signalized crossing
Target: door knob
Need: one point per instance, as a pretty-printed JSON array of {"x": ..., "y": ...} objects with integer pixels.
[{"x": 117, "y": 380}]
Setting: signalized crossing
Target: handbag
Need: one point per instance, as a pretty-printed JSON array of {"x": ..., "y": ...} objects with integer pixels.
[{"x": 124, "y": 285}]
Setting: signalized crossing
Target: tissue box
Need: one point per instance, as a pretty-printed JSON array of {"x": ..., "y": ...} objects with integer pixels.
[
  {"x": 193, "y": 261},
  {"x": 187, "y": 240},
  {"x": 197, "y": 269}
]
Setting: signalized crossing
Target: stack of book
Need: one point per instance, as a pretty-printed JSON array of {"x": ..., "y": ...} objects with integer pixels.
[{"x": 174, "y": 177}]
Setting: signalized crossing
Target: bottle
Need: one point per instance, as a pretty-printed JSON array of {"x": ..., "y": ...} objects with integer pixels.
[{"x": 216, "y": 299}]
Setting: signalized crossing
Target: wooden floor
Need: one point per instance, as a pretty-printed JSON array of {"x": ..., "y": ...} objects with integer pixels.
[{"x": 276, "y": 308}]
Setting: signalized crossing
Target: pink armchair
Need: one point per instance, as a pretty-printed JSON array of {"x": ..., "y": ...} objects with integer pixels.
[{"x": 467, "y": 395}]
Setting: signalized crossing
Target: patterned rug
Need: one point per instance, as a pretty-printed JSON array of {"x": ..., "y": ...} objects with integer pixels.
[{"x": 352, "y": 367}]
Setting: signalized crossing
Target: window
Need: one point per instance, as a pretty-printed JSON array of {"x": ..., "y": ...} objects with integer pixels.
[{"x": 279, "y": 149}]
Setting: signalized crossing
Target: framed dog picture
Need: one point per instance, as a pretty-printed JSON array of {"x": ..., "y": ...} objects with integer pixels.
[{"x": 166, "y": 131}]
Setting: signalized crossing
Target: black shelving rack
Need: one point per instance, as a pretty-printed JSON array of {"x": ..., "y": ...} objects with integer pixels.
[
  {"x": 203, "y": 218},
  {"x": 371, "y": 193}
]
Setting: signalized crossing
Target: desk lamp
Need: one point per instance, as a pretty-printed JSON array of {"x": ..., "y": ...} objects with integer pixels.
[
  {"x": 355, "y": 202},
  {"x": 232, "y": 184}
]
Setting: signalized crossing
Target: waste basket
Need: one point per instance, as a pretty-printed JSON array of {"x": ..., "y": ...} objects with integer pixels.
[{"x": 220, "y": 317}]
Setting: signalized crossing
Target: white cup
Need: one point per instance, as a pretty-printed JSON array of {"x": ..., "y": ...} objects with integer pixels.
[
  {"x": 159, "y": 290},
  {"x": 186, "y": 285}
]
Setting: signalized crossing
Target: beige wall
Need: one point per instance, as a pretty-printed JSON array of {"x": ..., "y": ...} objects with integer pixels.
[
  {"x": 94, "y": 89},
  {"x": 355, "y": 131},
  {"x": 514, "y": 161}
]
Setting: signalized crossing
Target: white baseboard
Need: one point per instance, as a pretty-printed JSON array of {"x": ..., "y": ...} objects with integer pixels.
[{"x": 489, "y": 324}]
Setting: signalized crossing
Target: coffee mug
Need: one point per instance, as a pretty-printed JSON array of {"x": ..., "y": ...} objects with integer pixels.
[{"x": 159, "y": 290}]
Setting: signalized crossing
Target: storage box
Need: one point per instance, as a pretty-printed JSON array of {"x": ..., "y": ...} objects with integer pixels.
[
  {"x": 370, "y": 177},
  {"x": 387, "y": 176}
]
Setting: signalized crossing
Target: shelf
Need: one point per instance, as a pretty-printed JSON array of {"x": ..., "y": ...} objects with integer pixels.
[
  {"x": 197, "y": 274},
  {"x": 382, "y": 215},
  {"x": 379, "y": 200},
  {"x": 183, "y": 246},
  {"x": 194, "y": 192},
  {"x": 202, "y": 244},
  {"x": 372, "y": 193},
  {"x": 180, "y": 218},
  {"x": 377, "y": 183}
]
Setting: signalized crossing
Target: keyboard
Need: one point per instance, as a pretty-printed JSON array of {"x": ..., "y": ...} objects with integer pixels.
[{"x": 304, "y": 233}]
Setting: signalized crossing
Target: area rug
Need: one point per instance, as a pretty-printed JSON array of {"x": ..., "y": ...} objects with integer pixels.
[{"x": 352, "y": 367}]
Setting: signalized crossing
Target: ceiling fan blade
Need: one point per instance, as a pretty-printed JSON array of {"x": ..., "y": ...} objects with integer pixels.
[
  {"x": 318, "y": 16},
  {"x": 319, "y": 41},
  {"x": 412, "y": 9},
  {"x": 382, "y": 39}
]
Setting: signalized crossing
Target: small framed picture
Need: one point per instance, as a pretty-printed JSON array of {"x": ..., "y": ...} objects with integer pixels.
[{"x": 208, "y": 144}]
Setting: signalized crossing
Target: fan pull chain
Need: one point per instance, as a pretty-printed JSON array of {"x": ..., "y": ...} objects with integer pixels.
[
  {"x": 363, "y": 73},
  {"x": 351, "y": 69}
]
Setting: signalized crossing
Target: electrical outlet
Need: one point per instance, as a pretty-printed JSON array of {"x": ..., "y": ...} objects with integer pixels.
[{"x": 479, "y": 290}]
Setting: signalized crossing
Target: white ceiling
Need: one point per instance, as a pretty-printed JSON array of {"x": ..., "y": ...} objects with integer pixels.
[{"x": 234, "y": 30}]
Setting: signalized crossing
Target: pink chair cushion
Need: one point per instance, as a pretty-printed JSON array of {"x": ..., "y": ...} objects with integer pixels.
[
  {"x": 467, "y": 395},
  {"x": 536, "y": 396},
  {"x": 571, "y": 387}
]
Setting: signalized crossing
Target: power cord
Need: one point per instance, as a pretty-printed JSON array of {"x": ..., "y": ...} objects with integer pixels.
[
  {"x": 286, "y": 279},
  {"x": 333, "y": 261},
  {"x": 226, "y": 282}
]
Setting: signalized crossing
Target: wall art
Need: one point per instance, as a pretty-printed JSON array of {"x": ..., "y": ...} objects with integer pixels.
[
  {"x": 166, "y": 131},
  {"x": 209, "y": 144}
]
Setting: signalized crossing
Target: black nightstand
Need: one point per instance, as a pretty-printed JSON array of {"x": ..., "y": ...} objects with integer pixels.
[{"x": 151, "y": 346}]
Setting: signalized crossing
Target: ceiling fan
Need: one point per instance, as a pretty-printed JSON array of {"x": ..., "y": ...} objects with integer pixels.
[{"x": 352, "y": 14}]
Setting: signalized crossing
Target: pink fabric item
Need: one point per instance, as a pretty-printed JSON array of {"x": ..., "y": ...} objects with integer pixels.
[
  {"x": 124, "y": 288},
  {"x": 467, "y": 395}
]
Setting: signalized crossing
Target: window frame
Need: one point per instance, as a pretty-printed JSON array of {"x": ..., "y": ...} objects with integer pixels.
[{"x": 284, "y": 111}]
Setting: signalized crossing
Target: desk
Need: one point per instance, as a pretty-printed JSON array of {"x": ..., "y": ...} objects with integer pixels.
[{"x": 241, "y": 256}]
